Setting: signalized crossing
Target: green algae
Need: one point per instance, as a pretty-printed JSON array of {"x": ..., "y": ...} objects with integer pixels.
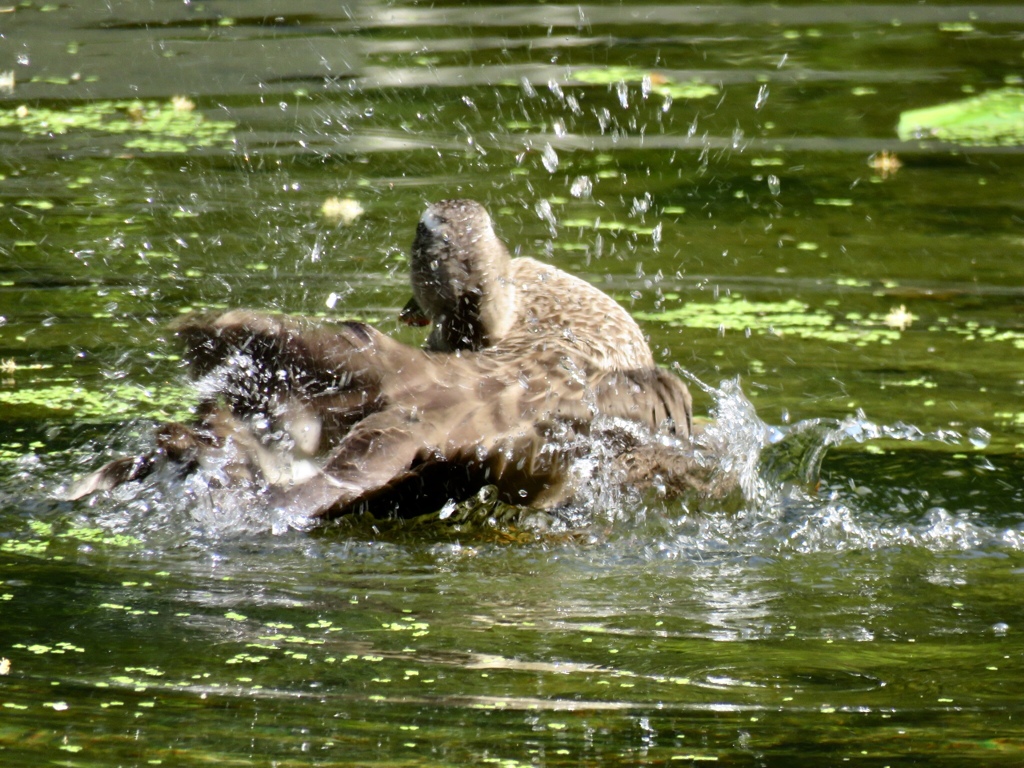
[
  {"x": 149, "y": 126},
  {"x": 40, "y": 537},
  {"x": 777, "y": 318},
  {"x": 58, "y": 648},
  {"x": 977, "y": 332},
  {"x": 995, "y": 118},
  {"x": 30, "y": 547},
  {"x": 797, "y": 319},
  {"x": 164, "y": 402},
  {"x": 93, "y": 535}
]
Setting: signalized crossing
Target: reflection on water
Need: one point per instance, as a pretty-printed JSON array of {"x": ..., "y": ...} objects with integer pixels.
[{"x": 715, "y": 168}]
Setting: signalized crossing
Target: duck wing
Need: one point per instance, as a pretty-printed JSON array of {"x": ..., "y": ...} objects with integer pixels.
[
  {"x": 282, "y": 353},
  {"x": 465, "y": 421},
  {"x": 260, "y": 374},
  {"x": 397, "y": 463},
  {"x": 328, "y": 376}
]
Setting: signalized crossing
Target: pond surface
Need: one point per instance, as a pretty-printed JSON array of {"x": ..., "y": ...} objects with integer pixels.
[{"x": 730, "y": 173}]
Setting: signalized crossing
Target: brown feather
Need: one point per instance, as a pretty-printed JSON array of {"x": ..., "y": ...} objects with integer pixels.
[{"x": 522, "y": 359}]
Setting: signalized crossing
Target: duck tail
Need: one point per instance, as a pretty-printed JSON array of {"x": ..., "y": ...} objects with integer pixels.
[{"x": 652, "y": 396}]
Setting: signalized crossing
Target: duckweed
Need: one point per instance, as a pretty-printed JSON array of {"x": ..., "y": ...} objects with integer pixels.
[
  {"x": 154, "y": 126},
  {"x": 40, "y": 528},
  {"x": 161, "y": 402},
  {"x": 100, "y": 536},
  {"x": 418, "y": 628},
  {"x": 29, "y": 547},
  {"x": 790, "y": 317},
  {"x": 657, "y": 82},
  {"x": 242, "y": 658},
  {"x": 151, "y": 671}
]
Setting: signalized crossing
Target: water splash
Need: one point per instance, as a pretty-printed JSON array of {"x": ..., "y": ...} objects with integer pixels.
[
  {"x": 784, "y": 504},
  {"x": 788, "y": 508}
]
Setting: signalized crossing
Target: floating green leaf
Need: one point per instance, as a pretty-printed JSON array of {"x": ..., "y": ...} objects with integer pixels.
[{"x": 993, "y": 118}]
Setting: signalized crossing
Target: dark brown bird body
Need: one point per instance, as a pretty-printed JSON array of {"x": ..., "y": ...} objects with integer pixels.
[{"x": 523, "y": 359}]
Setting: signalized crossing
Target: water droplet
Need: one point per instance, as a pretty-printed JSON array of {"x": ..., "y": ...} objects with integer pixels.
[
  {"x": 545, "y": 212},
  {"x": 979, "y": 437},
  {"x": 581, "y": 187},
  {"x": 623, "y": 92},
  {"x": 550, "y": 158},
  {"x": 641, "y": 205},
  {"x": 762, "y": 96},
  {"x": 447, "y": 509},
  {"x": 1000, "y": 628},
  {"x": 774, "y": 185}
]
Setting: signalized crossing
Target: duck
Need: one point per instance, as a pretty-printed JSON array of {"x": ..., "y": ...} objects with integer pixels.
[
  {"x": 523, "y": 364},
  {"x": 466, "y": 284}
]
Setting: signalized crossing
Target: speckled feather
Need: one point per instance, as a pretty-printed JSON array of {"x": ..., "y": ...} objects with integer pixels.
[{"x": 521, "y": 359}]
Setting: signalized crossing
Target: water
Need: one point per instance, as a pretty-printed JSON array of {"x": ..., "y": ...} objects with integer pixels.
[{"x": 715, "y": 168}]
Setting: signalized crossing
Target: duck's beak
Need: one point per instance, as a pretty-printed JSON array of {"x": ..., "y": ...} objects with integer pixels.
[{"x": 412, "y": 314}]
